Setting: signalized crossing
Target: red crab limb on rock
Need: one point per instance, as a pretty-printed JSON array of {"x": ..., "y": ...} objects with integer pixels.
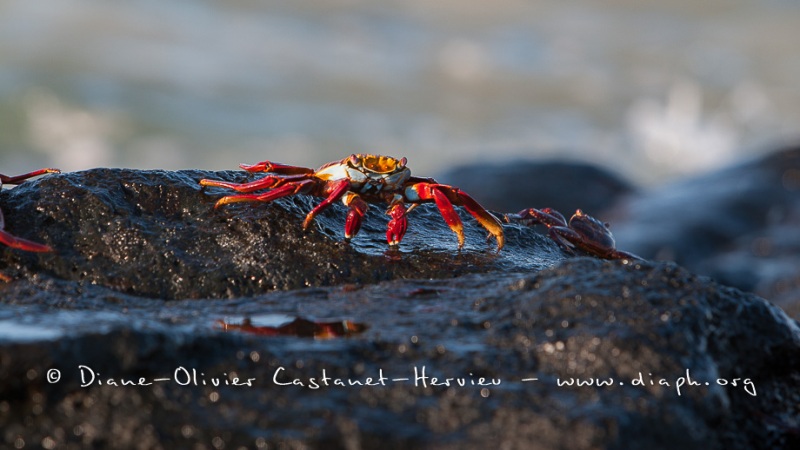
[
  {"x": 582, "y": 232},
  {"x": 358, "y": 180},
  {"x": 7, "y": 238}
]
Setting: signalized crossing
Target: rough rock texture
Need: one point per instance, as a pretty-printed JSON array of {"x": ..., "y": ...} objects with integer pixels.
[
  {"x": 738, "y": 225},
  {"x": 111, "y": 300}
]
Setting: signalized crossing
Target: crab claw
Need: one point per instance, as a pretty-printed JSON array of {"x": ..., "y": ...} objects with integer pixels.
[
  {"x": 358, "y": 208},
  {"x": 397, "y": 225},
  {"x": 445, "y": 197}
]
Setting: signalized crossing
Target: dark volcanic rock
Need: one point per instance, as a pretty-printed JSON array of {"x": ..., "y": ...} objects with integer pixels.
[
  {"x": 565, "y": 186},
  {"x": 582, "y": 320},
  {"x": 156, "y": 234},
  {"x": 740, "y": 225},
  {"x": 115, "y": 340}
]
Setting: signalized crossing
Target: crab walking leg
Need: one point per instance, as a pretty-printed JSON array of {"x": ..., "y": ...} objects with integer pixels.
[
  {"x": 22, "y": 244},
  {"x": 561, "y": 235},
  {"x": 548, "y": 217},
  {"x": 283, "y": 169},
  {"x": 429, "y": 191},
  {"x": 287, "y": 189},
  {"x": 335, "y": 192},
  {"x": 446, "y": 196},
  {"x": 398, "y": 223},
  {"x": 269, "y": 181},
  {"x": 358, "y": 208},
  {"x": 488, "y": 221},
  {"x": 23, "y": 177}
]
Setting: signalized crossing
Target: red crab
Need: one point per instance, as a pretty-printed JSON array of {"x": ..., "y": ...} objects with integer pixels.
[
  {"x": 583, "y": 232},
  {"x": 11, "y": 240},
  {"x": 358, "y": 180}
]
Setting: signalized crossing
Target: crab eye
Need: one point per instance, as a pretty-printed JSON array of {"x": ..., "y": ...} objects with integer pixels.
[
  {"x": 354, "y": 160},
  {"x": 402, "y": 162}
]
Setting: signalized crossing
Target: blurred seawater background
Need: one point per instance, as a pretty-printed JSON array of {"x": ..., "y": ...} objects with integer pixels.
[{"x": 653, "y": 90}]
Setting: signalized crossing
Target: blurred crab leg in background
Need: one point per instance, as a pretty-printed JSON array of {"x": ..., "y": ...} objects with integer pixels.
[
  {"x": 531, "y": 216},
  {"x": 445, "y": 197}
]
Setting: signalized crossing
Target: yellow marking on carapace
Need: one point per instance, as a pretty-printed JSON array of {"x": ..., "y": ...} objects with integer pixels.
[{"x": 380, "y": 164}]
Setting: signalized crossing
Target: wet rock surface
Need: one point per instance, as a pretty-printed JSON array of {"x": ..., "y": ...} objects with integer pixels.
[
  {"x": 146, "y": 271},
  {"x": 157, "y": 234},
  {"x": 738, "y": 225}
]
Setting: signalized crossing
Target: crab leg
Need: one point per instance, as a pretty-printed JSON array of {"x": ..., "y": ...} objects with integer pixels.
[
  {"x": 446, "y": 196},
  {"x": 488, "y": 221},
  {"x": 283, "y": 169},
  {"x": 19, "y": 243},
  {"x": 429, "y": 191},
  {"x": 562, "y": 235},
  {"x": 294, "y": 187},
  {"x": 398, "y": 224},
  {"x": 337, "y": 189},
  {"x": 269, "y": 181},
  {"x": 22, "y": 244},
  {"x": 548, "y": 217},
  {"x": 9, "y": 239},
  {"x": 23, "y": 177},
  {"x": 358, "y": 208}
]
